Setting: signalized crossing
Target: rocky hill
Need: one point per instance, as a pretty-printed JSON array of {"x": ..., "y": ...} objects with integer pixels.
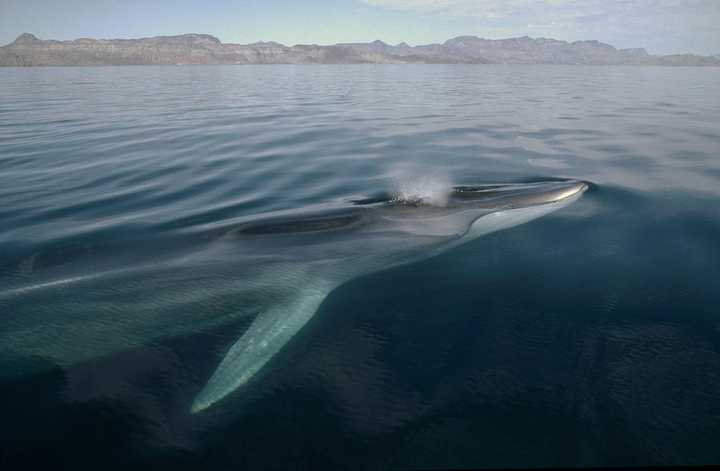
[{"x": 28, "y": 50}]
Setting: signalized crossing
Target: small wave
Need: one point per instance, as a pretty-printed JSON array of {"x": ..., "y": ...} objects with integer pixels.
[{"x": 49, "y": 284}]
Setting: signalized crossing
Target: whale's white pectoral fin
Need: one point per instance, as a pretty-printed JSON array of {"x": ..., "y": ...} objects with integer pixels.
[{"x": 266, "y": 336}]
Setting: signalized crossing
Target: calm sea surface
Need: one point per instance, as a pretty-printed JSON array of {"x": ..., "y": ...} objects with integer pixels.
[{"x": 588, "y": 337}]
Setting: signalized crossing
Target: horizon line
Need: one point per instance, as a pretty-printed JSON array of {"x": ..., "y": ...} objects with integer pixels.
[{"x": 526, "y": 36}]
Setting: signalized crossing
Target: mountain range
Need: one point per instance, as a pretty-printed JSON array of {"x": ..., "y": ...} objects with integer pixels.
[{"x": 28, "y": 50}]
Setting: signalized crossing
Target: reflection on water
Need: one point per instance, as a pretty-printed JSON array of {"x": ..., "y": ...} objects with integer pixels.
[{"x": 588, "y": 337}]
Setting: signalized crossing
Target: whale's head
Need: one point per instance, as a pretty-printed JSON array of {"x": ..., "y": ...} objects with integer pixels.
[
  {"x": 488, "y": 197},
  {"x": 521, "y": 195},
  {"x": 498, "y": 207},
  {"x": 470, "y": 211}
]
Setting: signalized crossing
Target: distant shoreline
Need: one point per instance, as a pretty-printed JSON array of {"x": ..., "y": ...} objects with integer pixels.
[{"x": 202, "y": 49}]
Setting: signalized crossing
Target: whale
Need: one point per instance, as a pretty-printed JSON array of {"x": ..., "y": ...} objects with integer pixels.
[
  {"x": 316, "y": 254},
  {"x": 269, "y": 274}
]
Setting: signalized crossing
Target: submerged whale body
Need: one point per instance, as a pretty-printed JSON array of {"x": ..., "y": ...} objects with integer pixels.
[
  {"x": 276, "y": 271},
  {"x": 306, "y": 258}
]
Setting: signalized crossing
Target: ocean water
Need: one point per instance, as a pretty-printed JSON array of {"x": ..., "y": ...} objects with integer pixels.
[{"x": 588, "y": 337}]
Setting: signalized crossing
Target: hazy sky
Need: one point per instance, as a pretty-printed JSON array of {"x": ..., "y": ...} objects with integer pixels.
[{"x": 661, "y": 26}]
